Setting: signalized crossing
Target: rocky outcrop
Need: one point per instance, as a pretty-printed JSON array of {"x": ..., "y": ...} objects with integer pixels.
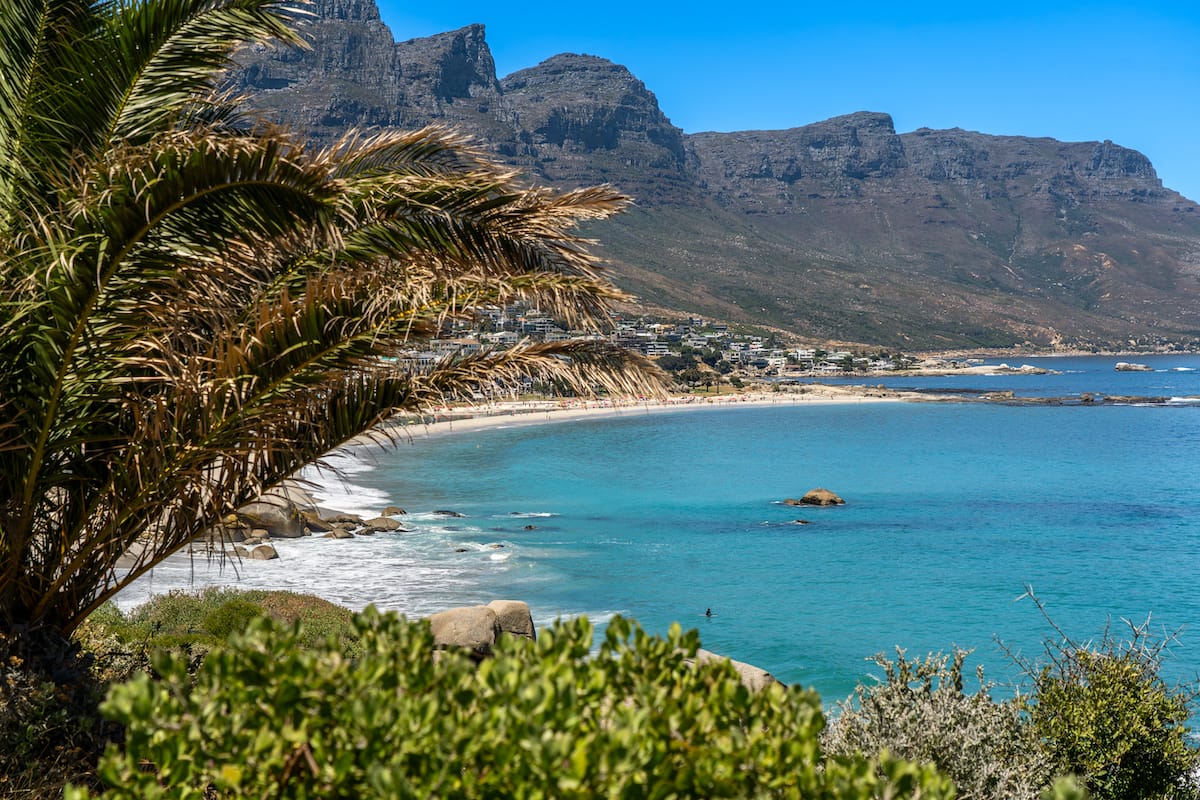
[
  {"x": 264, "y": 552},
  {"x": 816, "y": 497},
  {"x": 275, "y": 515},
  {"x": 514, "y": 618},
  {"x": 584, "y": 120},
  {"x": 753, "y": 678},
  {"x": 476, "y": 628},
  {"x": 1125, "y": 366}
]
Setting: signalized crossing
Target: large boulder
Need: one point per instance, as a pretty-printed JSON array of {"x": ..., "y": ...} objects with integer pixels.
[
  {"x": 753, "y": 678},
  {"x": 514, "y": 618},
  {"x": 281, "y": 519},
  {"x": 264, "y": 552},
  {"x": 315, "y": 524},
  {"x": 816, "y": 497},
  {"x": 383, "y": 524},
  {"x": 473, "y": 629}
]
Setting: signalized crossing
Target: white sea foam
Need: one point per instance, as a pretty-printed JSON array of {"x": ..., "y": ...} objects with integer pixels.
[
  {"x": 331, "y": 485},
  {"x": 417, "y": 574}
]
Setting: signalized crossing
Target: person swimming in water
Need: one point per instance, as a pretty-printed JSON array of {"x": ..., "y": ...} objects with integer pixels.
[{"x": 708, "y": 612}]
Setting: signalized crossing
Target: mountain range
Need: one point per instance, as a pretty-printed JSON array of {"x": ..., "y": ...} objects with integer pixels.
[{"x": 838, "y": 231}]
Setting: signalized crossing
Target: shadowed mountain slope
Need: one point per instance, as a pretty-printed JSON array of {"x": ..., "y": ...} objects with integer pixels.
[{"x": 839, "y": 230}]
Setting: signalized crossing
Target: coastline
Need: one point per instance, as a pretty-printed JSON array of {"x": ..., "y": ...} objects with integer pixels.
[{"x": 447, "y": 420}]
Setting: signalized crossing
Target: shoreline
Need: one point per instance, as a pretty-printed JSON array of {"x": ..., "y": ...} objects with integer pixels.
[{"x": 449, "y": 420}]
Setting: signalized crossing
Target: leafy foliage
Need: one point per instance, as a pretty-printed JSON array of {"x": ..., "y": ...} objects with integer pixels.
[
  {"x": 193, "y": 306},
  {"x": 1104, "y": 713},
  {"x": 49, "y": 733},
  {"x": 265, "y": 717},
  {"x": 192, "y": 624},
  {"x": 922, "y": 711}
]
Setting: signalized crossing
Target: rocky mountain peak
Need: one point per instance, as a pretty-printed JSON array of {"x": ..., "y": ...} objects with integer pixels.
[
  {"x": 347, "y": 10},
  {"x": 571, "y": 106}
]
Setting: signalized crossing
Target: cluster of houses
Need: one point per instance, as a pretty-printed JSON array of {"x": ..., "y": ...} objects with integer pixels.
[{"x": 743, "y": 354}]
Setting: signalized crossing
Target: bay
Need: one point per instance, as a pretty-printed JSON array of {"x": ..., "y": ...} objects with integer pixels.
[{"x": 952, "y": 510}]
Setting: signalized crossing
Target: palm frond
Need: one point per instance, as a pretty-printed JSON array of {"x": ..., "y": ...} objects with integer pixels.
[{"x": 170, "y": 52}]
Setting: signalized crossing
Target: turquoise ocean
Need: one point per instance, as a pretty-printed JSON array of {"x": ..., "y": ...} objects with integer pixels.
[{"x": 952, "y": 510}]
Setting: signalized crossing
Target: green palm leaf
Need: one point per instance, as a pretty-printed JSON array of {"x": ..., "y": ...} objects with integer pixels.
[{"x": 192, "y": 310}]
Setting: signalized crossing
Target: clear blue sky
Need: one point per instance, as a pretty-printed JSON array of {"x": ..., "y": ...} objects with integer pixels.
[{"x": 1075, "y": 71}]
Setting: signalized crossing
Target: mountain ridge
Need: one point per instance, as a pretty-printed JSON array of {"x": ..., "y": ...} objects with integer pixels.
[{"x": 842, "y": 229}]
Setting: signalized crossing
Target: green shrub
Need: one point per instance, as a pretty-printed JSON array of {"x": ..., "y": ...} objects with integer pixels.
[
  {"x": 1104, "y": 713},
  {"x": 230, "y": 617},
  {"x": 51, "y": 730},
  {"x": 921, "y": 712},
  {"x": 195, "y": 622},
  {"x": 264, "y": 717}
]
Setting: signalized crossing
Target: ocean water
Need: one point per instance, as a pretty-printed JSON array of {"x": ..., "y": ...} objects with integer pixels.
[{"x": 952, "y": 510}]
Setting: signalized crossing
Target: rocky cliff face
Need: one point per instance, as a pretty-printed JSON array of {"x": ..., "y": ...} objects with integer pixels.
[
  {"x": 842, "y": 229},
  {"x": 586, "y": 120}
]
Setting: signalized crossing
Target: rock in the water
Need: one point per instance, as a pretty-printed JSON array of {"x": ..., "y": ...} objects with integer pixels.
[
  {"x": 444, "y": 513},
  {"x": 351, "y": 519},
  {"x": 816, "y": 497},
  {"x": 264, "y": 552},
  {"x": 1124, "y": 366},
  {"x": 383, "y": 524},
  {"x": 338, "y": 533},
  {"x": 224, "y": 534},
  {"x": 514, "y": 618},
  {"x": 314, "y": 523},
  {"x": 282, "y": 520},
  {"x": 753, "y": 678},
  {"x": 473, "y": 628},
  {"x": 393, "y": 511}
]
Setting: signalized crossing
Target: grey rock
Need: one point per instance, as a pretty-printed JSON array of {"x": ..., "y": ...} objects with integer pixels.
[
  {"x": 264, "y": 552},
  {"x": 473, "y": 629},
  {"x": 281, "y": 520},
  {"x": 514, "y": 618},
  {"x": 314, "y": 523},
  {"x": 753, "y": 678}
]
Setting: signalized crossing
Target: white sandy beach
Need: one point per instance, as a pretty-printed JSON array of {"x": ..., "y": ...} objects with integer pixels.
[{"x": 466, "y": 418}]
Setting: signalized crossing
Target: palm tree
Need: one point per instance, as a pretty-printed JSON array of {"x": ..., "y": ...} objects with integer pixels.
[{"x": 193, "y": 305}]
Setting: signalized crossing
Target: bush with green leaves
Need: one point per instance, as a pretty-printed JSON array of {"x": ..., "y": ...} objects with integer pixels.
[
  {"x": 1103, "y": 712},
  {"x": 265, "y": 717},
  {"x": 922, "y": 711}
]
